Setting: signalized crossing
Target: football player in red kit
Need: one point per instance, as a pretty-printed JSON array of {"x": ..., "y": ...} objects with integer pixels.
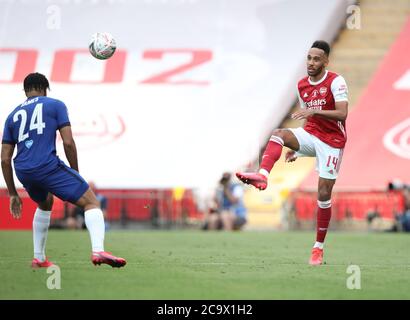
[{"x": 323, "y": 100}]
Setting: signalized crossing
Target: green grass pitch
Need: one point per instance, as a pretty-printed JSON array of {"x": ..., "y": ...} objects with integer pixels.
[{"x": 213, "y": 265}]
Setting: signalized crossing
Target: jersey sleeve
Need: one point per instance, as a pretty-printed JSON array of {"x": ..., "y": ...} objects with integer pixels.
[
  {"x": 301, "y": 103},
  {"x": 62, "y": 115},
  {"x": 339, "y": 89},
  {"x": 7, "y": 133}
]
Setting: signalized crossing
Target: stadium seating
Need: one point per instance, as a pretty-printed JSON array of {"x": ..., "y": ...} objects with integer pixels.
[
  {"x": 157, "y": 207},
  {"x": 352, "y": 205},
  {"x": 177, "y": 109},
  {"x": 167, "y": 109}
]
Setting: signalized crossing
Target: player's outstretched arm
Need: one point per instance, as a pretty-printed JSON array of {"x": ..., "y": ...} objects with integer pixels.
[
  {"x": 15, "y": 201},
  {"x": 339, "y": 114},
  {"x": 70, "y": 149}
]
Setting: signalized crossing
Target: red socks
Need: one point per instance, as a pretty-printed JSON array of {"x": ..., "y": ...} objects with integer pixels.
[
  {"x": 324, "y": 212},
  {"x": 271, "y": 155}
]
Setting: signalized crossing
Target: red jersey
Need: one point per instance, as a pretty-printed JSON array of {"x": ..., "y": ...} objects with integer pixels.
[{"x": 323, "y": 95}]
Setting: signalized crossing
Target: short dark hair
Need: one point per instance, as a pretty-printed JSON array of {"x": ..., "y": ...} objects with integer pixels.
[
  {"x": 321, "y": 44},
  {"x": 36, "y": 81}
]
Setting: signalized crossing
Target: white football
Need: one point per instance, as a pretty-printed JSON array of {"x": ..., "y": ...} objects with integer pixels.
[{"x": 102, "y": 45}]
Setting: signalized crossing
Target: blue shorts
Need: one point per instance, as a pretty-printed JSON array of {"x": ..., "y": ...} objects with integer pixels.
[{"x": 62, "y": 181}]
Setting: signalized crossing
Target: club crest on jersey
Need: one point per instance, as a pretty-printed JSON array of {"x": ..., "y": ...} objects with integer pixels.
[
  {"x": 323, "y": 91},
  {"x": 28, "y": 143}
]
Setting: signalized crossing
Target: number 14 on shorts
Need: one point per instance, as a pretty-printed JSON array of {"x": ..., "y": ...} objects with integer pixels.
[{"x": 332, "y": 160}]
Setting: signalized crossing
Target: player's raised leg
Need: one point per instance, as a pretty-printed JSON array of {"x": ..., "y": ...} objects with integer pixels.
[
  {"x": 324, "y": 213},
  {"x": 94, "y": 221},
  {"x": 272, "y": 153},
  {"x": 41, "y": 222}
]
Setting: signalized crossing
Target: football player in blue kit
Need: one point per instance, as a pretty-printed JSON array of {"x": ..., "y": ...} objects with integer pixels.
[{"x": 32, "y": 126}]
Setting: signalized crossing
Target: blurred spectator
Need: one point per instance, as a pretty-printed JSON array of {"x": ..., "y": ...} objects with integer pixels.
[
  {"x": 228, "y": 211},
  {"x": 402, "y": 219},
  {"x": 396, "y": 184},
  {"x": 75, "y": 218},
  {"x": 213, "y": 217}
]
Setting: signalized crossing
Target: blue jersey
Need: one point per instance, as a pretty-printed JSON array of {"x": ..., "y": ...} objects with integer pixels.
[{"x": 33, "y": 126}]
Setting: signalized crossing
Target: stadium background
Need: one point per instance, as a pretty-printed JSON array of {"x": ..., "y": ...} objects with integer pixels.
[{"x": 196, "y": 87}]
